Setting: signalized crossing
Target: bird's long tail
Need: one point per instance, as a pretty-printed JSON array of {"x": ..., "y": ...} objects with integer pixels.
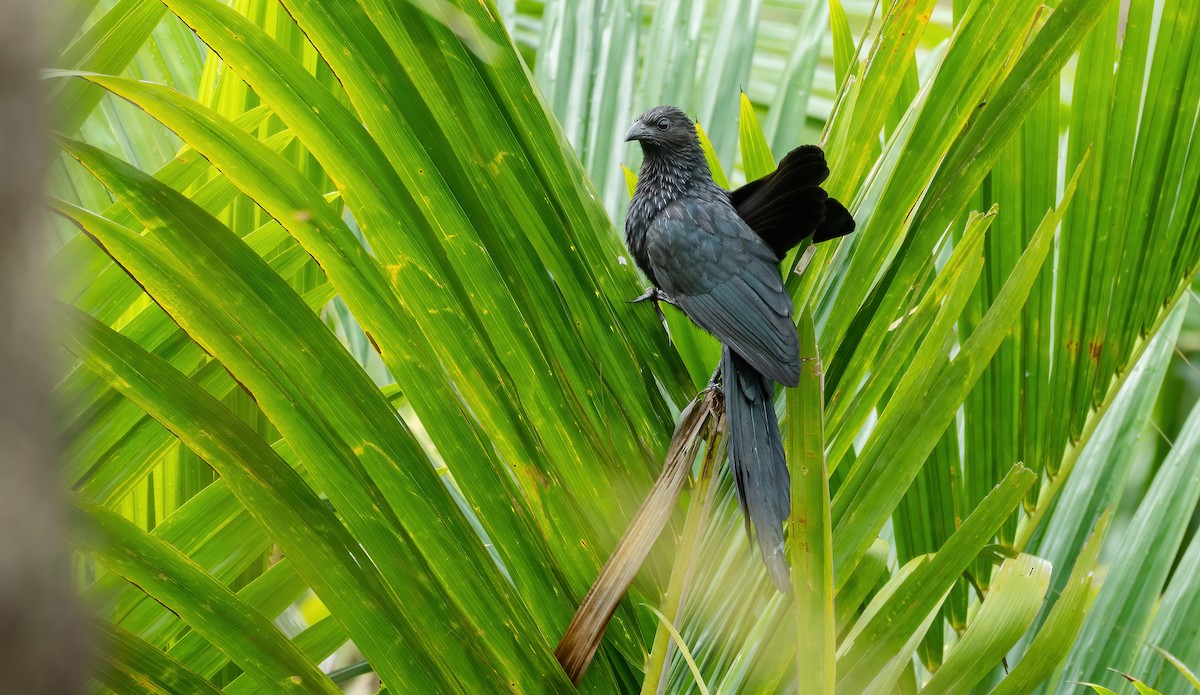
[{"x": 760, "y": 473}]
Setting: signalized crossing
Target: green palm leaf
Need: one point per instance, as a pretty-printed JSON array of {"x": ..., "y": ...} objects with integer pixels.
[{"x": 372, "y": 317}]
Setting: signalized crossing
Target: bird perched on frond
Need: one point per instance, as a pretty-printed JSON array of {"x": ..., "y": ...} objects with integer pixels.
[{"x": 715, "y": 254}]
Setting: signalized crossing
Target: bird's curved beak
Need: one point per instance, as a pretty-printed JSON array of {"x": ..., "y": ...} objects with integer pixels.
[{"x": 637, "y": 132}]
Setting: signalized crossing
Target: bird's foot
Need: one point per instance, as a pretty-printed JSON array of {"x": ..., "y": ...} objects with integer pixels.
[
  {"x": 715, "y": 385},
  {"x": 653, "y": 293},
  {"x": 656, "y": 295}
]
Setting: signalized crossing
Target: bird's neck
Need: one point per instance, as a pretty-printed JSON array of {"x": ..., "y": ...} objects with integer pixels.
[{"x": 665, "y": 177}]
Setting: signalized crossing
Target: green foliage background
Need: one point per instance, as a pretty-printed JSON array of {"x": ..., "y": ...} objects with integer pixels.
[{"x": 348, "y": 355}]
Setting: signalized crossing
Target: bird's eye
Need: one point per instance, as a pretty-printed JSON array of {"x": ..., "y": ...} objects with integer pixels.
[{"x": 663, "y": 124}]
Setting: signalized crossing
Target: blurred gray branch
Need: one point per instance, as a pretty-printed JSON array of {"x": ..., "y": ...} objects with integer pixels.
[{"x": 39, "y": 632}]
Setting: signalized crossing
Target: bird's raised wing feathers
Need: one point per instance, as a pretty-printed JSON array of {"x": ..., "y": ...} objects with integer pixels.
[
  {"x": 726, "y": 279},
  {"x": 788, "y": 205}
]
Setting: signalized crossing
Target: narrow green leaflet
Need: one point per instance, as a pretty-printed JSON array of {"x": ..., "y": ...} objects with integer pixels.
[
  {"x": 710, "y": 157},
  {"x": 843, "y": 41},
  {"x": 976, "y": 57},
  {"x": 683, "y": 650},
  {"x": 673, "y": 49},
  {"x": 127, "y": 664},
  {"x": 1013, "y": 599},
  {"x": 1139, "y": 570},
  {"x": 521, "y": 406},
  {"x": 886, "y": 66},
  {"x": 891, "y": 459},
  {"x": 214, "y": 531},
  {"x": 84, "y": 265},
  {"x": 726, "y": 62},
  {"x": 270, "y": 594},
  {"x": 1183, "y": 670},
  {"x": 865, "y": 579},
  {"x": 363, "y": 456},
  {"x": 917, "y": 333},
  {"x": 317, "y": 641},
  {"x": 245, "y": 635},
  {"x": 113, "y": 443},
  {"x": 1105, "y": 463},
  {"x": 343, "y": 283},
  {"x": 757, "y": 160},
  {"x": 1092, "y": 91},
  {"x": 810, "y": 541},
  {"x": 586, "y": 59},
  {"x": 501, "y": 282},
  {"x": 106, "y": 47},
  {"x": 884, "y": 633},
  {"x": 787, "y": 116},
  {"x": 1139, "y": 685},
  {"x": 883, "y": 678},
  {"x": 922, "y": 523},
  {"x": 284, "y": 193},
  {"x": 1171, "y": 637},
  {"x": 262, "y": 481},
  {"x": 1058, "y": 633}
]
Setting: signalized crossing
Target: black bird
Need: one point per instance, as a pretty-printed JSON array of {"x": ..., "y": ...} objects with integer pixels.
[{"x": 715, "y": 254}]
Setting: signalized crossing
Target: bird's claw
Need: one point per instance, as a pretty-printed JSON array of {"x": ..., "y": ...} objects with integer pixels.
[
  {"x": 652, "y": 293},
  {"x": 715, "y": 384},
  {"x": 656, "y": 295}
]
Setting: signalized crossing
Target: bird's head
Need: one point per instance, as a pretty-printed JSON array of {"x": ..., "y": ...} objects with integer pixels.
[{"x": 664, "y": 128}]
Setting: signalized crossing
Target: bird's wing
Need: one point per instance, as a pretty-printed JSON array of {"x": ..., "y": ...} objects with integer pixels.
[
  {"x": 726, "y": 280},
  {"x": 838, "y": 222},
  {"x": 788, "y": 205}
]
